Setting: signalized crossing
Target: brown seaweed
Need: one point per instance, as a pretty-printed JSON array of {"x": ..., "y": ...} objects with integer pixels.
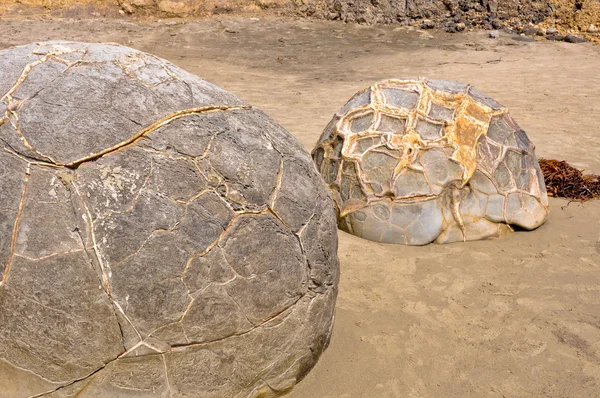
[{"x": 565, "y": 181}]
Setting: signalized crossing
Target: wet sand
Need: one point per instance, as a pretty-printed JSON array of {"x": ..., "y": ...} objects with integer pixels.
[{"x": 516, "y": 317}]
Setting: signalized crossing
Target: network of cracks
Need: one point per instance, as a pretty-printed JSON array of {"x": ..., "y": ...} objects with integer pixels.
[
  {"x": 417, "y": 161},
  {"x": 172, "y": 243}
]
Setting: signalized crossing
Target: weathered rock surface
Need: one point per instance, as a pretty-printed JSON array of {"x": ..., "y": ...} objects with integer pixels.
[
  {"x": 158, "y": 236},
  {"x": 417, "y": 161}
]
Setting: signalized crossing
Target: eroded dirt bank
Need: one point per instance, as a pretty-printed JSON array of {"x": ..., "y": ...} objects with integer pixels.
[{"x": 523, "y": 16}]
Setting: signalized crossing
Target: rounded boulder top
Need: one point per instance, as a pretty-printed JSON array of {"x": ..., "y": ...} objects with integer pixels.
[
  {"x": 417, "y": 161},
  {"x": 158, "y": 235}
]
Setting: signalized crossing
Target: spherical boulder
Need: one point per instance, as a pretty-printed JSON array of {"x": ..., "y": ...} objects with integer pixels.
[
  {"x": 418, "y": 161},
  {"x": 159, "y": 237}
]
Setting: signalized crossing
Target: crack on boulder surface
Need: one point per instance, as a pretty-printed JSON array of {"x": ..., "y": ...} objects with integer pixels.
[
  {"x": 286, "y": 312},
  {"x": 12, "y": 105},
  {"x": 52, "y": 55},
  {"x": 93, "y": 256},
  {"x": 221, "y": 236},
  {"x": 89, "y": 376},
  {"x": 16, "y": 227},
  {"x": 33, "y": 161},
  {"x": 164, "y": 360},
  {"x": 104, "y": 269},
  {"x": 133, "y": 139},
  {"x": 95, "y": 261},
  {"x": 275, "y": 193}
]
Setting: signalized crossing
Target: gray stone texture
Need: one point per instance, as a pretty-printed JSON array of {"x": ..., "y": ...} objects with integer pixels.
[
  {"x": 158, "y": 236},
  {"x": 456, "y": 168}
]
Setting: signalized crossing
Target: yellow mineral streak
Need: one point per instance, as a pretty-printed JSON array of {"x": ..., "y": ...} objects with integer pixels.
[
  {"x": 128, "y": 66},
  {"x": 471, "y": 120},
  {"x": 275, "y": 193},
  {"x": 411, "y": 143},
  {"x": 17, "y": 126},
  {"x": 54, "y": 53},
  {"x": 153, "y": 127}
]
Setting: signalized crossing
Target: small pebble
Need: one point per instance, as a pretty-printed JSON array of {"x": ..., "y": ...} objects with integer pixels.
[
  {"x": 525, "y": 39},
  {"x": 575, "y": 39},
  {"x": 592, "y": 29},
  {"x": 427, "y": 24},
  {"x": 555, "y": 37},
  {"x": 551, "y": 31},
  {"x": 496, "y": 24},
  {"x": 460, "y": 26},
  {"x": 494, "y": 34}
]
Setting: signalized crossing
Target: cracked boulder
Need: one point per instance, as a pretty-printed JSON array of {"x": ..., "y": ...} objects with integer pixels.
[
  {"x": 420, "y": 161},
  {"x": 159, "y": 237}
]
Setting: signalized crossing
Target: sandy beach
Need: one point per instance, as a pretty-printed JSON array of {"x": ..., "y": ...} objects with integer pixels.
[{"x": 515, "y": 317}]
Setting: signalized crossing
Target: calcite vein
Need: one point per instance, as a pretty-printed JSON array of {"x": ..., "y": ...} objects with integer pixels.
[{"x": 153, "y": 127}]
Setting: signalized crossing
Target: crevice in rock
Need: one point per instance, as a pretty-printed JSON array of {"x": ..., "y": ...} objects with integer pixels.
[
  {"x": 168, "y": 382},
  {"x": 283, "y": 313},
  {"x": 91, "y": 375},
  {"x": 13, "y": 152},
  {"x": 29, "y": 67},
  {"x": 275, "y": 192},
  {"x": 221, "y": 236},
  {"x": 50, "y": 255},
  {"x": 239, "y": 308},
  {"x": 153, "y": 127},
  {"x": 17, "y": 126},
  {"x": 127, "y": 117},
  {"x": 74, "y": 164},
  {"x": 92, "y": 256},
  {"x": 16, "y": 227},
  {"x": 88, "y": 217}
]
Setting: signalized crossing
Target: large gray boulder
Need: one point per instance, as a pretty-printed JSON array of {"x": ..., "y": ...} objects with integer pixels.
[
  {"x": 417, "y": 161},
  {"x": 159, "y": 237}
]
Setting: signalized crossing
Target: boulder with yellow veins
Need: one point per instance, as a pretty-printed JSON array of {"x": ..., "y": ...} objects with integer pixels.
[{"x": 417, "y": 161}]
